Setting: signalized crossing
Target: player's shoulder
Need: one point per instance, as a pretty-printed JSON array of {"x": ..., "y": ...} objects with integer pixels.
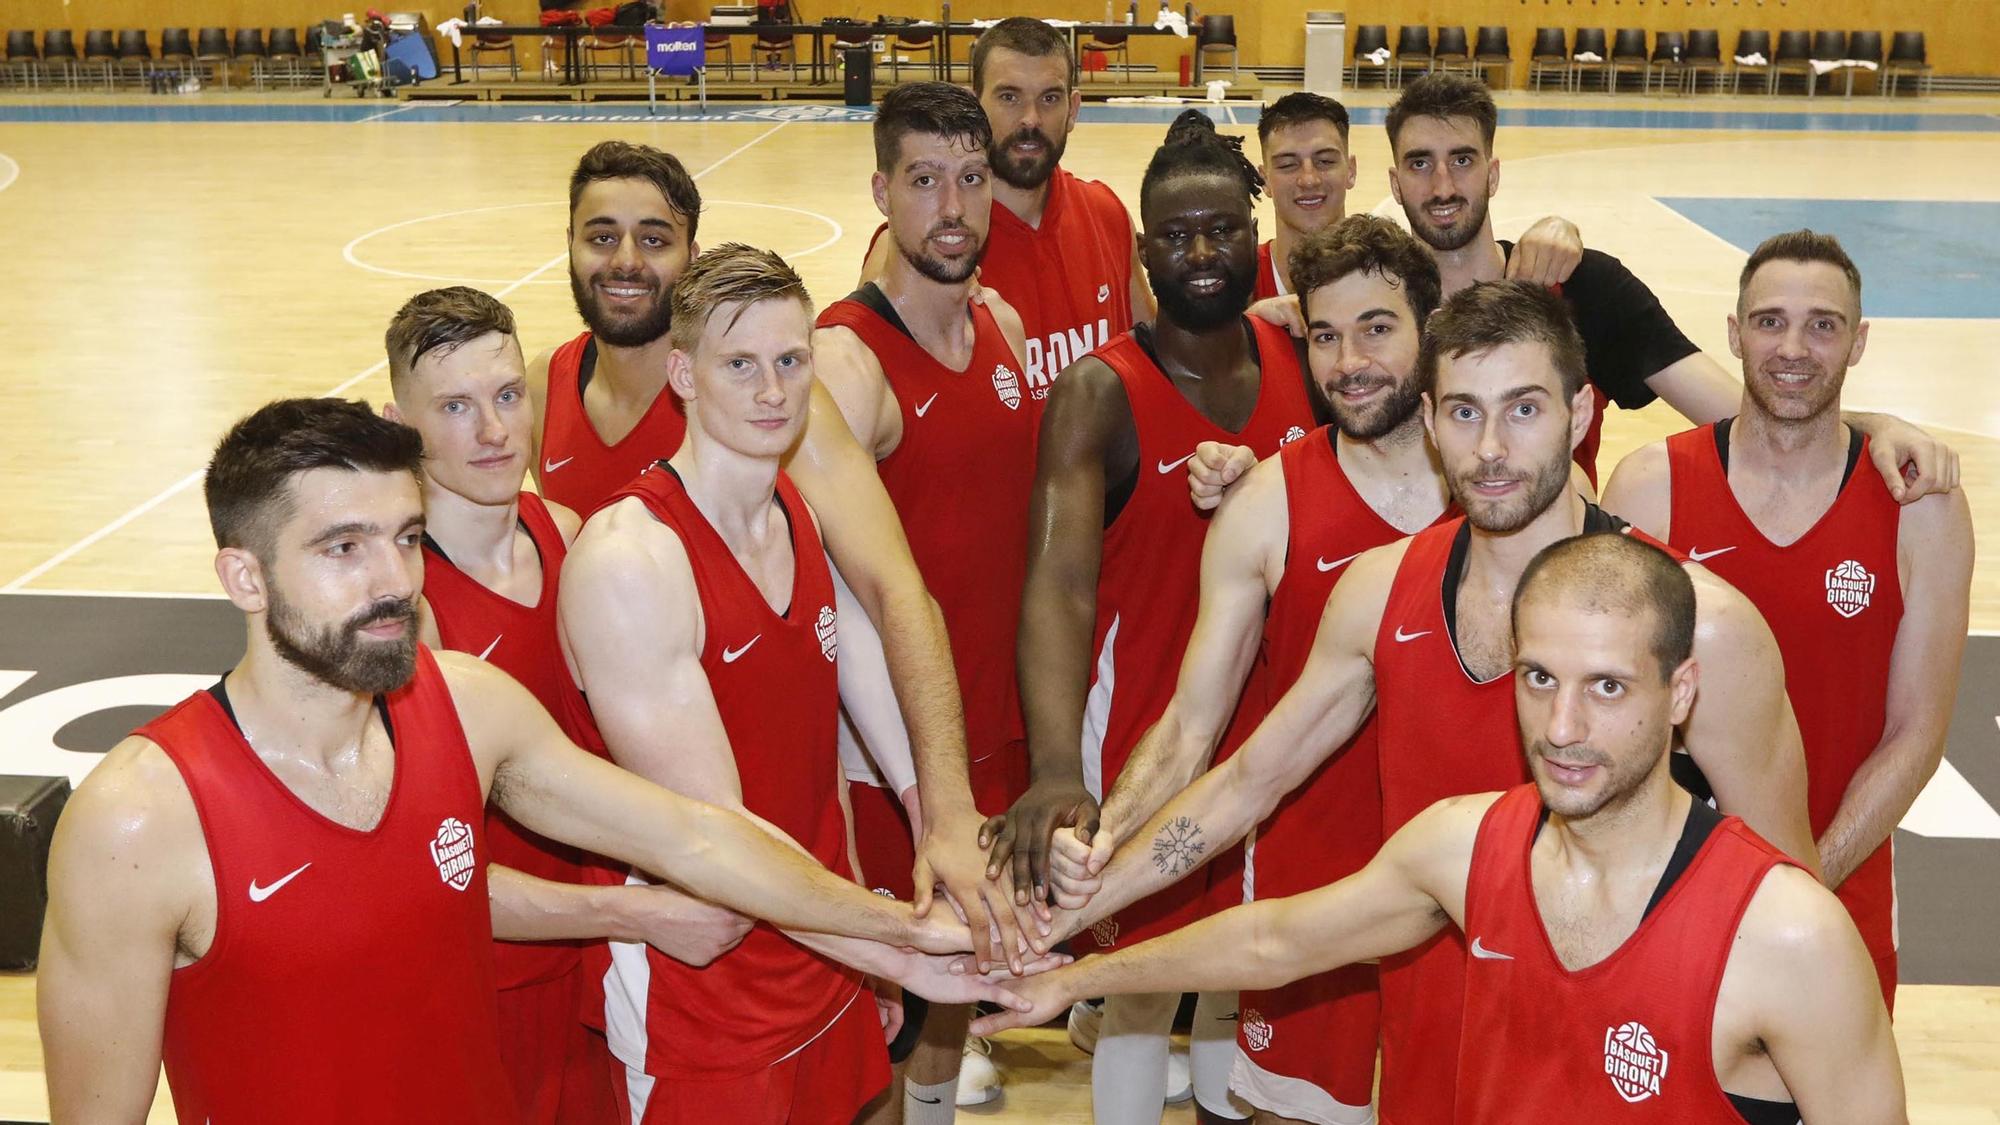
[
  {"x": 840, "y": 352},
  {"x": 1639, "y": 487},
  {"x": 134, "y": 802},
  {"x": 624, "y": 542},
  {"x": 1378, "y": 566},
  {"x": 1794, "y": 924},
  {"x": 1645, "y": 466},
  {"x": 568, "y": 522},
  {"x": 1101, "y": 199}
]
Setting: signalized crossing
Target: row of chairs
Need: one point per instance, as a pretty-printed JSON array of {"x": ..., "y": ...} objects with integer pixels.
[
  {"x": 1681, "y": 56},
  {"x": 210, "y": 53}
]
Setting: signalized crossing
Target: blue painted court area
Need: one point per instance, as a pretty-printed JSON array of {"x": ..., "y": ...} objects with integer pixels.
[
  {"x": 387, "y": 112},
  {"x": 1918, "y": 258}
]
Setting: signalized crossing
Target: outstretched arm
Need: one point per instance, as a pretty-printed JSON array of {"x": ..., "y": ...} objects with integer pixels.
[{"x": 1414, "y": 887}]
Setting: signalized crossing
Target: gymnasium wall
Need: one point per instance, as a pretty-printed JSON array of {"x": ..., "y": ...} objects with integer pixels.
[{"x": 1964, "y": 35}]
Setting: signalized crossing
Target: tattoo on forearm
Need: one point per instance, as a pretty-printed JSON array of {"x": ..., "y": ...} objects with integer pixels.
[{"x": 1178, "y": 847}]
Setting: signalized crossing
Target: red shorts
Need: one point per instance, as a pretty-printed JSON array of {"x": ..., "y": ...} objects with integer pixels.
[
  {"x": 561, "y": 1070},
  {"x": 825, "y": 1082},
  {"x": 882, "y": 830}
]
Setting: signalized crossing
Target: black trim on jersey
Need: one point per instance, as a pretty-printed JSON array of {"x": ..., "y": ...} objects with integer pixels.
[
  {"x": 1757, "y": 1111},
  {"x": 1595, "y": 521},
  {"x": 1116, "y": 496},
  {"x": 431, "y": 545},
  {"x": 1854, "y": 440},
  {"x": 871, "y": 297},
  {"x": 1701, "y": 823},
  {"x": 791, "y": 532},
  {"x": 220, "y": 691},
  {"x": 586, "y": 366}
]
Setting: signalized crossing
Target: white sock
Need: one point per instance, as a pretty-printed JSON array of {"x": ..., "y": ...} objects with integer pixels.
[
  {"x": 930, "y": 1105},
  {"x": 1212, "y": 1051},
  {"x": 1128, "y": 1072}
]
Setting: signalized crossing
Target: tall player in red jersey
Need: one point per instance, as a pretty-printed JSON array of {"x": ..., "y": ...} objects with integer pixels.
[
  {"x": 699, "y": 609},
  {"x": 1441, "y": 131},
  {"x": 1635, "y": 956},
  {"x": 930, "y": 383},
  {"x": 1417, "y": 631},
  {"x": 1868, "y": 599},
  {"x": 492, "y": 565},
  {"x": 1115, "y": 544},
  {"x": 632, "y": 231},
  {"x": 279, "y": 886},
  {"x": 1278, "y": 545}
]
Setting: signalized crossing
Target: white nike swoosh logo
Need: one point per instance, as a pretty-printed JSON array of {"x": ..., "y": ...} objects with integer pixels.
[
  {"x": 1170, "y": 466},
  {"x": 731, "y": 655},
  {"x": 1485, "y": 954},
  {"x": 491, "y": 647},
  {"x": 926, "y": 405},
  {"x": 1702, "y": 556},
  {"x": 552, "y": 466},
  {"x": 259, "y": 894},
  {"x": 1408, "y": 637},
  {"x": 1336, "y": 564}
]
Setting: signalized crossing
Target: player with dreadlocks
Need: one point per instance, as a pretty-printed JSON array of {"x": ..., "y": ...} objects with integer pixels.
[{"x": 1115, "y": 553}]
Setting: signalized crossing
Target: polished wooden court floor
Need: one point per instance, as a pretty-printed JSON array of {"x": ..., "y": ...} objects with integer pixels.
[{"x": 164, "y": 277}]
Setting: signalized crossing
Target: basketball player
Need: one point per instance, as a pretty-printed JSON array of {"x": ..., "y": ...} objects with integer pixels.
[
  {"x": 1308, "y": 171},
  {"x": 1636, "y": 956},
  {"x": 605, "y": 417},
  {"x": 1060, "y": 247},
  {"x": 1444, "y": 173},
  {"x": 930, "y": 384},
  {"x": 1115, "y": 546},
  {"x": 1279, "y": 543},
  {"x": 278, "y": 886},
  {"x": 1418, "y": 630},
  {"x": 1868, "y": 599}
]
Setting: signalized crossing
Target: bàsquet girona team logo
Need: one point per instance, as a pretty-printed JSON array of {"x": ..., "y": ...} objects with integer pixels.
[
  {"x": 1634, "y": 1061},
  {"x": 827, "y": 632},
  {"x": 453, "y": 853},
  {"x": 1848, "y": 588},
  {"x": 1256, "y": 1030},
  {"x": 1008, "y": 385}
]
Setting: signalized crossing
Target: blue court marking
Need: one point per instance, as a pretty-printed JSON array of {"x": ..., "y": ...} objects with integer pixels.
[
  {"x": 354, "y": 110},
  {"x": 1918, "y": 258}
]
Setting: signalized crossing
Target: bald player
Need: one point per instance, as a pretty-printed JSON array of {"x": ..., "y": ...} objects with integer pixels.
[
  {"x": 1444, "y": 172},
  {"x": 1869, "y": 600},
  {"x": 1061, "y": 247},
  {"x": 605, "y": 416},
  {"x": 930, "y": 384},
  {"x": 1278, "y": 545},
  {"x": 279, "y": 885},
  {"x": 1636, "y": 956},
  {"x": 1308, "y": 171},
  {"x": 1418, "y": 632},
  {"x": 493, "y": 558}
]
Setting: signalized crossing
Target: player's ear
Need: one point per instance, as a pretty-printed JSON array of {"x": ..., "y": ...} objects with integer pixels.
[
  {"x": 393, "y": 412},
  {"x": 1735, "y": 336},
  {"x": 1430, "y": 424},
  {"x": 1493, "y": 176},
  {"x": 1681, "y": 685},
  {"x": 878, "y": 186},
  {"x": 242, "y": 576},
  {"x": 1860, "y": 344},
  {"x": 1353, "y": 172},
  {"x": 680, "y": 374},
  {"x": 1582, "y": 408}
]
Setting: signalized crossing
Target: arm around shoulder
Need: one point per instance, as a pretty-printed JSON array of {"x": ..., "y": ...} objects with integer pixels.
[{"x": 1640, "y": 490}]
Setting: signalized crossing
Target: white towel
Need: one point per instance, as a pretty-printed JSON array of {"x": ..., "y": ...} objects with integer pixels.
[
  {"x": 1172, "y": 21},
  {"x": 1865, "y": 64},
  {"x": 1378, "y": 56},
  {"x": 1825, "y": 66},
  {"x": 450, "y": 28},
  {"x": 1589, "y": 56},
  {"x": 1216, "y": 88},
  {"x": 1754, "y": 58}
]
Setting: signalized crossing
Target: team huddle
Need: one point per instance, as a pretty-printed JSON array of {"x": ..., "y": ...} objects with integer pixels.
[{"x": 1078, "y": 614}]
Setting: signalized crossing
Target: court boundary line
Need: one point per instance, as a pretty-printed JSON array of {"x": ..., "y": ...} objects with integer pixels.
[
  {"x": 13, "y": 175},
  {"x": 67, "y": 553},
  {"x": 405, "y": 108}
]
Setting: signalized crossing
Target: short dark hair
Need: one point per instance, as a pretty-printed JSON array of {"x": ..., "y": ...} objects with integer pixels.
[
  {"x": 1484, "y": 316},
  {"x": 1612, "y": 572},
  {"x": 1444, "y": 96},
  {"x": 1366, "y": 244},
  {"x": 1193, "y": 147},
  {"x": 1299, "y": 108},
  {"x": 934, "y": 109},
  {"x": 249, "y": 480},
  {"x": 732, "y": 272},
  {"x": 619, "y": 160},
  {"x": 1800, "y": 246},
  {"x": 441, "y": 321},
  {"x": 1022, "y": 35}
]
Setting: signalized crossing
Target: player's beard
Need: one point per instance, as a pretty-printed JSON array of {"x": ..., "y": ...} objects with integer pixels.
[
  {"x": 339, "y": 655},
  {"x": 1026, "y": 174},
  {"x": 1384, "y": 417},
  {"x": 623, "y": 331},
  {"x": 1437, "y": 238},
  {"x": 1201, "y": 314},
  {"x": 1500, "y": 517},
  {"x": 1619, "y": 782},
  {"x": 944, "y": 271}
]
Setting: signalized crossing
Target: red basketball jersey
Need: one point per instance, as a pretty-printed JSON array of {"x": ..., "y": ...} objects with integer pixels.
[
  {"x": 1626, "y": 1039},
  {"x": 521, "y": 641},
  {"x": 350, "y": 977},
  {"x": 960, "y": 479},
  {"x": 1269, "y": 282},
  {"x": 1834, "y": 599},
  {"x": 578, "y": 470},
  {"x": 774, "y": 682}
]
